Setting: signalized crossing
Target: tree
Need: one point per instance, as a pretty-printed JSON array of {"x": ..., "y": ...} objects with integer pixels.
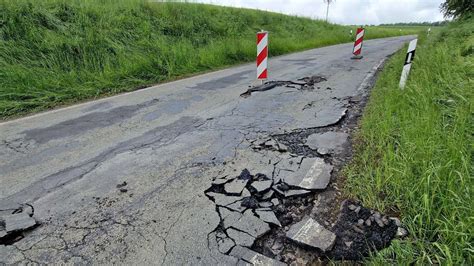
[{"x": 457, "y": 8}]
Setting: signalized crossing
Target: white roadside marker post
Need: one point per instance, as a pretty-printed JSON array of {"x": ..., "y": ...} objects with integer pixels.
[
  {"x": 262, "y": 55},
  {"x": 408, "y": 60}
]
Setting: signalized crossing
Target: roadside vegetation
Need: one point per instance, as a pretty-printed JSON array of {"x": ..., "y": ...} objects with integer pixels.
[
  {"x": 56, "y": 52},
  {"x": 414, "y": 150}
]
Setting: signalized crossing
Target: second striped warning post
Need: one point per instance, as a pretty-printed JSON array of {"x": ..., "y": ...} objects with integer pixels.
[{"x": 358, "y": 44}]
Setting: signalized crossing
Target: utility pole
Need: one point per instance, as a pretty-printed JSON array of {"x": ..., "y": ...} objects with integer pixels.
[{"x": 327, "y": 9}]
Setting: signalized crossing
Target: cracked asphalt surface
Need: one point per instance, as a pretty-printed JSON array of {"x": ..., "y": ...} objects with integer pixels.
[{"x": 122, "y": 179}]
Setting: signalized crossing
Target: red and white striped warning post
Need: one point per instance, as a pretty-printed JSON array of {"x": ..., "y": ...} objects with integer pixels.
[
  {"x": 408, "y": 60},
  {"x": 262, "y": 55},
  {"x": 358, "y": 44}
]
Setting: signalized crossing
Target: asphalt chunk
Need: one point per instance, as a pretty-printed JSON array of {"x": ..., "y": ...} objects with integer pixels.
[
  {"x": 224, "y": 200},
  {"x": 18, "y": 222},
  {"x": 251, "y": 257},
  {"x": 327, "y": 142},
  {"x": 236, "y": 186},
  {"x": 248, "y": 223},
  {"x": 310, "y": 233},
  {"x": 314, "y": 174},
  {"x": 237, "y": 206},
  {"x": 268, "y": 217},
  {"x": 225, "y": 244},
  {"x": 240, "y": 238},
  {"x": 292, "y": 192},
  {"x": 262, "y": 186}
]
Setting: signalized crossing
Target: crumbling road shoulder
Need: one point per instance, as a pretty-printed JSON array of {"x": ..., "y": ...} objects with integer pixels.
[{"x": 284, "y": 202}]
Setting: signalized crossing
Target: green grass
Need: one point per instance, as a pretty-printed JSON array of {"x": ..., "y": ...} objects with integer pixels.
[
  {"x": 414, "y": 151},
  {"x": 56, "y": 52}
]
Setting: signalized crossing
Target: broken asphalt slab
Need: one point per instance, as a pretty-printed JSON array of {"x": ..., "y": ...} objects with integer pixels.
[
  {"x": 268, "y": 216},
  {"x": 240, "y": 238},
  {"x": 328, "y": 142},
  {"x": 313, "y": 174},
  {"x": 235, "y": 186},
  {"x": 262, "y": 186},
  {"x": 246, "y": 217},
  {"x": 15, "y": 220},
  {"x": 247, "y": 223},
  {"x": 250, "y": 257},
  {"x": 310, "y": 233},
  {"x": 290, "y": 192}
]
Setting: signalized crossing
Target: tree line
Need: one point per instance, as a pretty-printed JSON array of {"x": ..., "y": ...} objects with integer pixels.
[{"x": 437, "y": 23}]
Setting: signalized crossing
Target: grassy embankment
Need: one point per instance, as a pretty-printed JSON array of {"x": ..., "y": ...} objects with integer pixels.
[
  {"x": 55, "y": 52},
  {"x": 414, "y": 151}
]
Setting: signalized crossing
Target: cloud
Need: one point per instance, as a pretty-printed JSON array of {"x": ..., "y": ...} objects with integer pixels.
[{"x": 348, "y": 11}]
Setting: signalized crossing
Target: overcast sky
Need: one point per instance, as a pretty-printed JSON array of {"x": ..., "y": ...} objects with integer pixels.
[{"x": 349, "y": 11}]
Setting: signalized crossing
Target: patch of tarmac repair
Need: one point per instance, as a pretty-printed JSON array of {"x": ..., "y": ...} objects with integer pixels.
[
  {"x": 302, "y": 62},
  {"x": 222, "y": 82},
  {"x": 156, "y": 136},
  {"x": 168, "y": 108},
  {"x": 85, "y": 123},
  {"x": 97, "y": 106}
]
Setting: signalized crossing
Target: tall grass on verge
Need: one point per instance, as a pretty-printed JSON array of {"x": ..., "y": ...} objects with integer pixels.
[
  {"x": 55, "y": 52},
  {"x": 414, "y": 151}
]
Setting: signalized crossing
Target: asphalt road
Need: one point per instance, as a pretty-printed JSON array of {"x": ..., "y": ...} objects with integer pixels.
[{"x": 167, "y": 143}]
